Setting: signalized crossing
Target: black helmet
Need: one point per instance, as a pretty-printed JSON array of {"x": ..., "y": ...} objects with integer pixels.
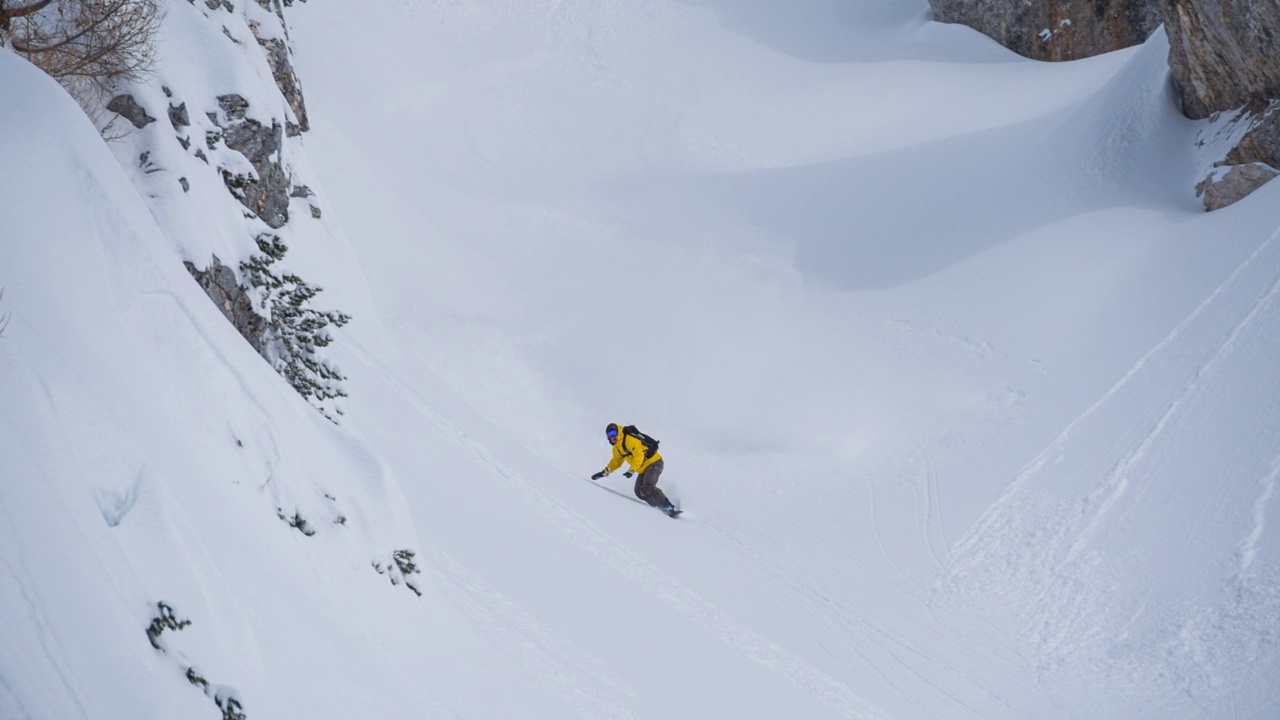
[{"x": 611, "y": 431}]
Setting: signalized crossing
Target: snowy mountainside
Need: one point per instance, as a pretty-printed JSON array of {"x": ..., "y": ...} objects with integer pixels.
[
  {"x": 149, "y": 455},
  {"x": 969, "y": 407},
  {"x": 873, "y": 295}
]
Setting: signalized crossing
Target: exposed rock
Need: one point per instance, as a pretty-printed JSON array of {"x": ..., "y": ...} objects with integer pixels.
[
  {"x": 267, "y": 195},
  {"x": 1056, "y": 29},
  {"x": 233, "y": 105},
  {"x": 219, "y": 283},
  {"x": 272, "y": 6},
  {"x": 1223, "y": 55},
  {"x": 1250, "y": 163},
  {"x": 278, "y": 59},
  {"x": 1261, "y": 142},
  {"x": 186, "y": 185},
  {"x": 129, "y": 109},
  {"x": 178, "y": 116},
  {"x": 286, "y": 79},
  {"x": 1221, "y": 189}
]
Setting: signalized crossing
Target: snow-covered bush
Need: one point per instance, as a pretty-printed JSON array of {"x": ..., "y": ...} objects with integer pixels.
[
  {"x": 400, "y": 569},
  {"x": 295, "y": 330},
  {"x": 165, "y": 619}
]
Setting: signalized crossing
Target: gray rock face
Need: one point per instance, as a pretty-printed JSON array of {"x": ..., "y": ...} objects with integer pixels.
[
  {"x": 1253, "y": 162},
  {"x": 1233, "y": 185},
  {"x": 1262, "y": 141},
  {"x": 233, "y": 105},
  {"x": 1056, "y": 29},
  {"x": 219, "y": 283},
  {"x": 278, "y": 59},
  {"x": 178, "y": 116},
  {"x": 1223, "y": 54},
  {"x": 267, "y": 196},
  {"x": 129, "y": 109},
  {"x": 286, "y": 79}
]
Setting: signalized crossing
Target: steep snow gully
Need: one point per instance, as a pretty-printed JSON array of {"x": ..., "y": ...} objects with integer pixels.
[
  {"x": 972, "y": 411},
  {"x": 970, "y": 408}
]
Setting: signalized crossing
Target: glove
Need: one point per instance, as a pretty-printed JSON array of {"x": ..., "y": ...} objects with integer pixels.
[
  {"x": 598, "y": 475},
  {"x": 627, "y": 474}
]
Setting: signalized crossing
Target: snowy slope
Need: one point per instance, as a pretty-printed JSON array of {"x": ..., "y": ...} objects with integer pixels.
[
  {"x": 147, "y": 452},
  {"x": 970, "y": 408},
  {"x": 880, "y": 284}
]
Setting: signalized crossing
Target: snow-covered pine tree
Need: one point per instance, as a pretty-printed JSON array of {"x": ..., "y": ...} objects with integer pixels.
[{"x": 295, "y": 330}]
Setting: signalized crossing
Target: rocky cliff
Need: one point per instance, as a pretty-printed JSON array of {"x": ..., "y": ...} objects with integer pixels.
[
  {"x": 1224, "y": 57},
  {"x": 1055, "y": 29},
  {"x": 226, "y": 176},
  {"x": 1225, "y": 61}
]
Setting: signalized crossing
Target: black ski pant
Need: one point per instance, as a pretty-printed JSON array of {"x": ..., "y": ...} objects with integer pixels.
[{"x": 647, "y": 485}]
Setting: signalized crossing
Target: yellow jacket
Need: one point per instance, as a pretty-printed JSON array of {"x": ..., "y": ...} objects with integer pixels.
[{"x": 629, "y": 448}]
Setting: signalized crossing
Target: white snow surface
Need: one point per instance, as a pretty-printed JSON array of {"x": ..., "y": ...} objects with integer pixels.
[{"x": 971, "y": 408}]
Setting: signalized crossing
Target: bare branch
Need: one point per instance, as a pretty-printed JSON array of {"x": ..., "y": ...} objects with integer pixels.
[
  {"x": 8, "y": 13},
  {"x": 98, "y": 42}
]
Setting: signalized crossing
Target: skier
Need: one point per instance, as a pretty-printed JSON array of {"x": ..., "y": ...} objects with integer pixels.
[{"x": 641, "y": 454}]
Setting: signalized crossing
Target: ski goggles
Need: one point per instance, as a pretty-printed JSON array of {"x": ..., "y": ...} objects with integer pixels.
[{"x": 611, "y": 434}]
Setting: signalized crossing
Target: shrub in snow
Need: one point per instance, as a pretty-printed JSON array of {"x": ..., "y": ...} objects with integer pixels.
[
  {"x": 165, "y": 619},
  {"x": 296, "y": 521},
  {"x": 404, "y": 561},
  {"x": 223, "y": 696},
  {"x": 230, "y": 707},
  {"x": 402, "y": 568},
  {"x": 295, "y": 331}
]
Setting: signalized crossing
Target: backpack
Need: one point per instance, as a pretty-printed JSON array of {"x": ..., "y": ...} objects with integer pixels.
[{"x": 650, "y": 445}]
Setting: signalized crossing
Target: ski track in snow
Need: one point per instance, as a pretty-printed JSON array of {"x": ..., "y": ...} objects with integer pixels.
[
  {"x": 751, "y": 643},
  {"x": 825, "y": 585},
  {"x": 559, "y": 665},
  {"x": 967, "y": 543},
  {"x": 1116, "y": 483},
  {"x": 820, "y": 582},
  {"x": 38, "y": 619},
  {"x": 1035, "y": 542},
  {"x": 1248, "y": 552},
  {"x": 933, "y": 516},
  {"x": 764, "y": 652}
]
